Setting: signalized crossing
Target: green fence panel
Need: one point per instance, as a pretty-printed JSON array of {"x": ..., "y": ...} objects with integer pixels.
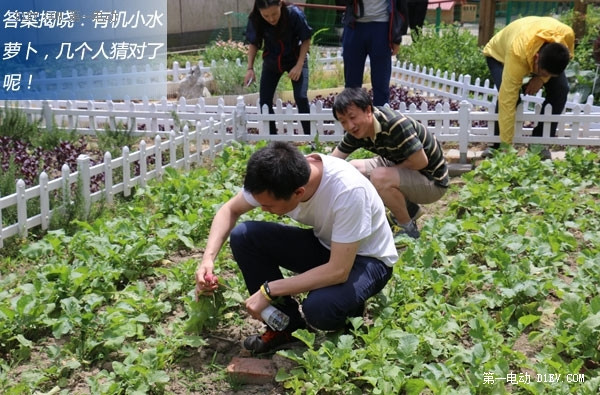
[{"x": 328, "y": 21}]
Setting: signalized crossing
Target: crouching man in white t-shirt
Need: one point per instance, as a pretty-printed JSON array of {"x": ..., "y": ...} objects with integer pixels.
[{"x": 345, "y": 257}]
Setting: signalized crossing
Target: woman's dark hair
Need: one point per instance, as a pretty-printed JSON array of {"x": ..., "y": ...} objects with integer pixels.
[
  {"x": 278, "y": 168},
  {"x": 554, "y": 58},
  {"x": 349, "y": 96},
  {"x": 259, "y": 22}
]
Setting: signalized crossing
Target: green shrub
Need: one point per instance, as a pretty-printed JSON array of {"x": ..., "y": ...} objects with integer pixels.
[
  {"x": 583, "y": 48},
  {"x": 451, "y": 49},
  {"x": 113, "y": 141},
  {"x": 221, "y": 50},
  {"x": 229, "y": 78},
  {"x": 14, "y": 124},
  {"x": 51, "y": 138},
  {"x": 8, "y": 178},
  {"x": 581, "y": 71},
  {"x": 183, "y": 57}
]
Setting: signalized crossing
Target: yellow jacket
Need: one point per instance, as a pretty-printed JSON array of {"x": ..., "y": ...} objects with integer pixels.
[{"x": 515, "y": 46}]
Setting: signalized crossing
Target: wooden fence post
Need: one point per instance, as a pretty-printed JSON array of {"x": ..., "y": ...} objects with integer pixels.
[
  {"x": 579, "y": 12},
  {"x": 21, "y": 208},
  {"x": 108, "y": 177},
  {"x": 209, "y": 135},
  {"x": 143, "y": 164},
  {"x": 84, "y": 179},
  {"x": 44, "y": 201},
  {"x": 126, "y": 168},
  {"x": 172, "y": 150},
  {"x": 175, "y": 71},
  {"x": 464, "y": 94},
  {"x": 66, "y": 190},
  {"x": 199, "y": 141},
  {"x": 464, "y": 127},
  {"x": 487, "y": 20},
  {"x": 240, "y": 132},
  {"x": 47, "y": 115},
  {"x": 158, "y": 157},
  {"x": 186, "y": 148}
]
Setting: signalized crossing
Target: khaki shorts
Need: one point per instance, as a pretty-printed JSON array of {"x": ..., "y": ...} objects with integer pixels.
[{"x": 414, "y": 186}]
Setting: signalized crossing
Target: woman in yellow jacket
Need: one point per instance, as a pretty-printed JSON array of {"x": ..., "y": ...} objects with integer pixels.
[{"x": 540, "y": 47}]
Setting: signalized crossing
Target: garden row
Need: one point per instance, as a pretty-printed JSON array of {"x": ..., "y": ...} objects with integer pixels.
[{"x": 498, "y": 293}]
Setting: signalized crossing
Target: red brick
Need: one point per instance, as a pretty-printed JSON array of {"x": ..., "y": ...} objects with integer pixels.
[{"x": 251, "y": 370}]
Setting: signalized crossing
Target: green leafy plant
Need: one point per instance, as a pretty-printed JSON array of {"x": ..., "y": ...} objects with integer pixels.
[
  {"x": 114, "y": 139},
  {"x": 458, "y": 305},
  {"x": 14, "y": 123},
  {"x": 220, "y": 50},
  {"x": 182, "y": 57},
  {"x": 583, "y": 49},
  {"x": 451, "y": 49},
  {"x": 504, "y": 281},
  {"x": 204, "y": 312},
  {"x": 229, "y": 78},
  {"x": 582, "y": 71}
]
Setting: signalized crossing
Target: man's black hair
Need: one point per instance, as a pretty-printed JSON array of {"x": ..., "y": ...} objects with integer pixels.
[
  {"x": 554, "y": 58},
  {"x": 349, "y": 96},
  {"x": 278, "y": 168}
]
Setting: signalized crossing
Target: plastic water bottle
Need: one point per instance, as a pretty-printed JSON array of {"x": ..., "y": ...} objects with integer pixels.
[{"x": 275, "y": 318}]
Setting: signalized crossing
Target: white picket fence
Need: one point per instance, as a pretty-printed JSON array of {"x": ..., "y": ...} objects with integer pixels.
[
  {"x": 186, "y": 132},
  {"x": 179, "y": 150}
]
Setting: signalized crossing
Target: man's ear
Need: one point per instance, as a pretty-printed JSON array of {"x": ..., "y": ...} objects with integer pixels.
[{"x": 300, "y": 191}]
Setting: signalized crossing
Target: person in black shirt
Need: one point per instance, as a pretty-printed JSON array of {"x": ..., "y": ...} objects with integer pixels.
[{"x": 285, "y": 34}]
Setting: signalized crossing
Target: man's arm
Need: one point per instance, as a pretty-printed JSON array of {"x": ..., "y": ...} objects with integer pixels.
[
  {"x": 416, "y": 161},
  {"x": 222, "y": 224},
  {"x": 296, "y": 71},
  {"x": 399, "y": 24},
  {"x": 336, "y": 271},
  {"x": 250, "y": 76},
  {"x": 508, "y": 95},
  {"x": 339, "y": 154}
]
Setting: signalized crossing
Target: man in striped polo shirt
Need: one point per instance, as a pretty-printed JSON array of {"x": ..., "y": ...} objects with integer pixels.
[{"x": 409, "y": 167}]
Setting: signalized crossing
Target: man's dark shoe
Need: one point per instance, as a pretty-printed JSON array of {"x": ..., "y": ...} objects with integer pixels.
[
  {"x": 269, "y": 341},
  {"x": 401, "y": 231},
  {"x": 414, "y": 210},
  {"x": 545, "y": 154},
  {"x": 487, "y": 153}
]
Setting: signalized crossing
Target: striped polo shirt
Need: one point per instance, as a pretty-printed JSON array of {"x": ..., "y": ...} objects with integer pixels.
[{"x": 396, "y": 138}]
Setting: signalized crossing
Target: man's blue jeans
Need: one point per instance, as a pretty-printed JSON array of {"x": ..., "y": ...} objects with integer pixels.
[
  {"x": 556, "y": 90},
  {"x": 261, "y": 249},
  {"x": 370, "y": 38}
]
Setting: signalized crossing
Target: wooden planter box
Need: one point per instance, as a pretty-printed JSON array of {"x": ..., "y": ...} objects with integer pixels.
[
  {"x": 445, "y": 7},
  {"x": 468, "y": 13},
  {"x": 447, "y": 15}
]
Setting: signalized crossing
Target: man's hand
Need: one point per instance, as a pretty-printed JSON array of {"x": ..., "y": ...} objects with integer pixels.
[
  {"x": 206, "y": 281},
  {"x": 534, "y": 85},
  {"x": 295, "y": 72},
  {"x": 256, "y": 303},
  {"x": 249, "y": 77}
]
